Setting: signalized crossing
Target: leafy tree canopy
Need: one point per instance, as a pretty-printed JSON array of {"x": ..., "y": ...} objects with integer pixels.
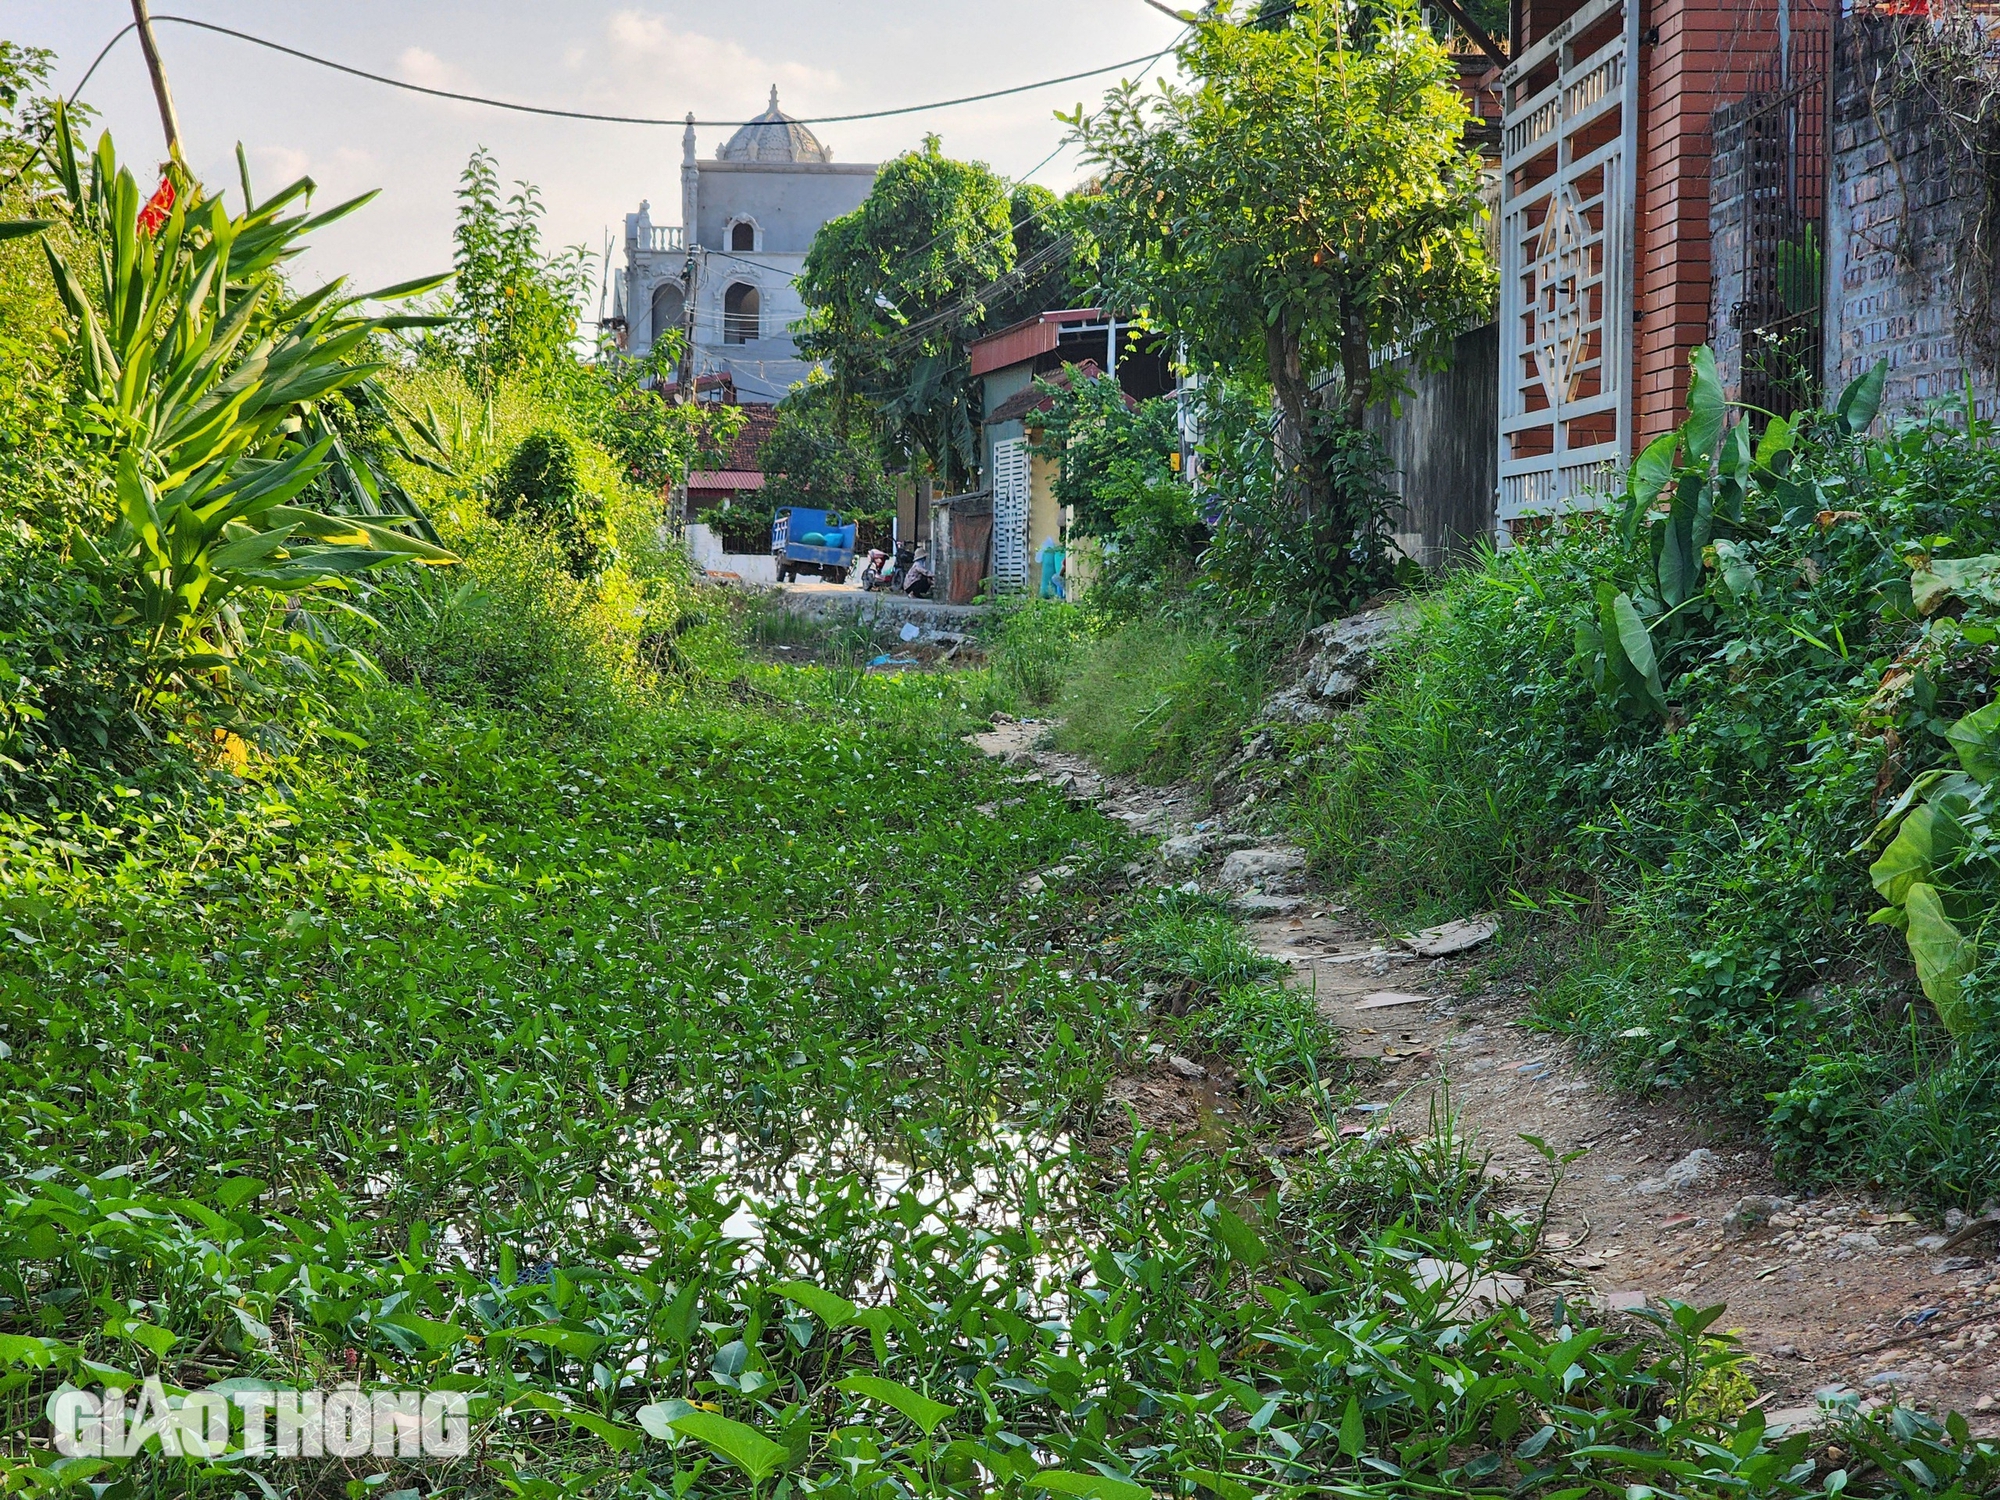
[
  {"x": 1305, "y": 200},
  {"x": 890, "y": 292},
  {"x": 808, "y": 461}
]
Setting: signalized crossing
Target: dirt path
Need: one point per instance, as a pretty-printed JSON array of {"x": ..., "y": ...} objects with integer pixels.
[{"x": 1832, "y": 1292}]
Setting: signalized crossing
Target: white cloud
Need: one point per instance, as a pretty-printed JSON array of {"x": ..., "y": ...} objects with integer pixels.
[
  {"x": 646, "y": 62},
  {"x": 423, "y": 66}
]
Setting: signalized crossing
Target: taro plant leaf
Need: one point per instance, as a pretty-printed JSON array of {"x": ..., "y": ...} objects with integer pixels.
[
  {"x": 1943, "y": 955},
  {"x": 1090, "y": 1486},
  {"x": 1976, "y": 738},
  {"x": 1635, "y": 644},
  {"x": 744, "y": 1446},
  {"x": 1861, "y": 400},
  {"x": 835, "y": 1312},
  {"x": 1936, "y": 579},
  {"x": 919, "y": 1408},
  {"x": 1651, "y": 472},
  {"x": 1925, "y": 842},
  {"x": 1707, "y": 407}
]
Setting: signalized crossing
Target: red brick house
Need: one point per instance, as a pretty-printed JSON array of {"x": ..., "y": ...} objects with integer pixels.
[{"x": 1605, "y": 245}]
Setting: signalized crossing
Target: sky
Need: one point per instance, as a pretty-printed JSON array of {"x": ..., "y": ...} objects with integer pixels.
[{"x": 647, "y": 57}]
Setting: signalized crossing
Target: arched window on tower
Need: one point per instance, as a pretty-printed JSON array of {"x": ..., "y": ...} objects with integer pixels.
[
  {"x": 743, "y": 236},
  {"x": 668, "y": 307},
  {"x": 739, "y": 314}
]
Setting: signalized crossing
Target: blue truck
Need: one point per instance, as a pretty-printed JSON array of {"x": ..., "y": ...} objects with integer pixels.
[{"x": 812, "y": 542}]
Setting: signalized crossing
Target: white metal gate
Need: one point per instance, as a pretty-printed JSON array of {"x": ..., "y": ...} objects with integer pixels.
[
  {"x": 1011, "y": 482},
  {"x": 1566, "y": 263}
]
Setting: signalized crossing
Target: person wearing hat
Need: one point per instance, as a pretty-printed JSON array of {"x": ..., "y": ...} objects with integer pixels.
[{"x": 872, "y": 576}]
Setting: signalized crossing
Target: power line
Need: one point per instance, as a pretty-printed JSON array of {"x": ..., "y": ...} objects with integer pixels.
[
  {"x": 103, "y": 52},
  {"x": 577, "y": 114}
]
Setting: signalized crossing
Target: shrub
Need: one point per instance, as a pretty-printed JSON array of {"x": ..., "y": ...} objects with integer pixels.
[
  {"x": 542, "y": 486},
  {"x": 1699, "y": 769}
]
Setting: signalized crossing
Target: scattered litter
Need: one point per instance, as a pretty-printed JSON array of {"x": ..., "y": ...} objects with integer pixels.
[
  {"x": 1368, "y": 1109},
  {"x": 1452, "y": 937},
  {"x": 910, "y": 632},
  {"x": 1497, "y": 1290},
  {"x": 893, "y": 663},
  {"x": 1388, "y": 999}
]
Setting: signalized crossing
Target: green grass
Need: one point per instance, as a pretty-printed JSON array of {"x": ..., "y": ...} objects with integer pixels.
[{"x": 1159, "y": 699}]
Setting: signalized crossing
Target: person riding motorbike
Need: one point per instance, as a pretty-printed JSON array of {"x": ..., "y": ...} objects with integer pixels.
[{"x": 874, "y": 577}]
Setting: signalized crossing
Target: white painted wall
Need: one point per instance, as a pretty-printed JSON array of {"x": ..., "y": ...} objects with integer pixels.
[{"x": 705, "y": 547}]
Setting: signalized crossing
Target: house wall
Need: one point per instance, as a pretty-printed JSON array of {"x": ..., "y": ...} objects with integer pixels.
[
  {"x": 1900, "y": 209},
  {"x": 1441, "y": 452},
  {"x": 1704, "y": 55}
]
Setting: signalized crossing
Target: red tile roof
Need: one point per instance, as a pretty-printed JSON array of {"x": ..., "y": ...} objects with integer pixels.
[{"x": 726, "y": 479}]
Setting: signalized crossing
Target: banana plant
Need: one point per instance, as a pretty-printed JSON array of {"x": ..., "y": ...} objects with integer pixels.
[
  {"x": 1940, "y": 871},
  {"x": 205, "y": 376}
]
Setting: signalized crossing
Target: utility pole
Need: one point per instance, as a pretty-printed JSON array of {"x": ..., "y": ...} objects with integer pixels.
[{"x": 168, "y": 119}]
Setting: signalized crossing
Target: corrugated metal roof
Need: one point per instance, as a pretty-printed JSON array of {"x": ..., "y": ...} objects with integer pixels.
[
  {"x": 726, "y": 479},
  {"x": 1013, "y": 345}
]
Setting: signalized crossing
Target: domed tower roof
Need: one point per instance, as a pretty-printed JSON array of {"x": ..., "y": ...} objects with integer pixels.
[{"x": 774, "y": 136}]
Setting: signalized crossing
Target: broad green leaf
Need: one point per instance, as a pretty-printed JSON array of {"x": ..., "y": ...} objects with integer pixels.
[
  {"x": 1941, "y": 577},
  {"x": 658, "y": 1417},
  {"x": 1240, "y": 1239},
  {"x": 1651, "y": 472},
  {"x": 1225, "y": 1486},
  {"x": 573, "y": 1341},
  {"x": 15, "y": 229},
  {"x": 1091, "y": 1486},
  {"x": 1707, "y": 406},
  {"x": 1862, "y": 399},
  {"x": 835, "y": 1312},
  {"x": 1976, "y": 738},
  {"x": 233, "y": 1192},
  {"x": 1925, "y": 841},
  {"x": 435, "y": 1334},
  {"x": 1777, "y": 439},
  {"x": 1635, "y": 643},
  {"x": 618, "y": 1437},
  {"x": 19, "y": 1349},
  {"x": 918, "y": 1407},
  {"x": 744, "y": 1446},
  {"x": 1353, "y": 1432},
  {"x": 1944, "y": 956}
]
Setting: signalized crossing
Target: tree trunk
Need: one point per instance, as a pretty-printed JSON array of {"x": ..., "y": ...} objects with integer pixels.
[
  {"x": 1354, "y": 361},
  {"x": 1296, "y": 474}
]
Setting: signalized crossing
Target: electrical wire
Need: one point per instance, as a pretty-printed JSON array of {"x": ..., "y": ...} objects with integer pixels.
[
  {"x": 577, "y": 114},
  {"x": 69, "y": 103}
]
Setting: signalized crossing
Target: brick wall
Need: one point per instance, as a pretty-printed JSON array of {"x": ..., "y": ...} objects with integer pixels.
[
  {"x": 1704, "y": 53},
  {"x": 1899, "y": 208}
]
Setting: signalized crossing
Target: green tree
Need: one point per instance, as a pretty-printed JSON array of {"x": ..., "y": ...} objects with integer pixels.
[
  {"x": 514, "y": 308},
  {"x": 808, "y": 461},
  {"x": 1305, "y": 200},
  {"x": 894, "y": 292}
]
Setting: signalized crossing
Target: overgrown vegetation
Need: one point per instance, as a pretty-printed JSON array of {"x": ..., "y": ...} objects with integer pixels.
[
  {"x": 1685, "y": 730},
  {"x": 518, "y": 991}
]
